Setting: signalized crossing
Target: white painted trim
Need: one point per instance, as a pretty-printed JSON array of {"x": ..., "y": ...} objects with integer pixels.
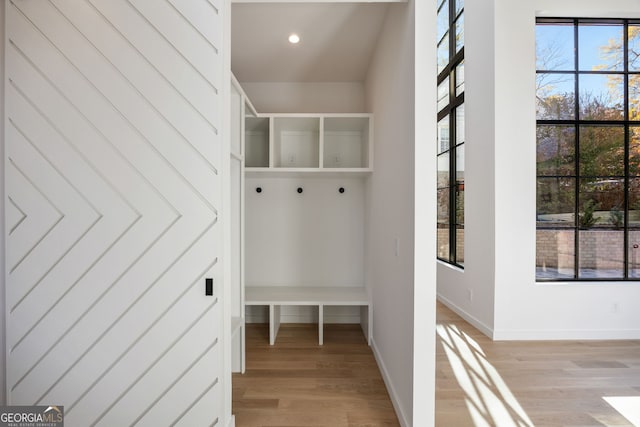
[
  {"x": 402, "y": 417},
  {"x": 475, "y": 322},
  {"x": 232, "y": 421},
  {"x": 243, "y": 94},
  {"x": 225, "y": 136},
  {"x": 566, "y": 335}
]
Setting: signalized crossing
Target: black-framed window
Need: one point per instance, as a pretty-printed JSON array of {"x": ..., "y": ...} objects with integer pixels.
[
  {"x": 588, "y": 149},
  {"x": 451, "y": 135}
]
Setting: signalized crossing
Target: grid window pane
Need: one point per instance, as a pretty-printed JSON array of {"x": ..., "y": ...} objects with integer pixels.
[
  {"x": 459, "y": 6},
  {"x": 601, "y": 203},
  {"x": 555, "y": 96},
  {"x": 443, "y": 170},
  {"x": 443, "y": 94},
  {"x": 634, "y": 253},
  {"x": 555, "y": 150},
  {"x": 555, "y": 201},
  {"x": 443, "y": 135},
  {"x": 601, "y": 97},
  {"x": 634, "y": 96},
  {"x": 443, "y": 224},
  {"x": 460, "y": 124},
  {"x": 634, "y": 203},
  {"x": 460, "y": 167},
  {"x": 443, "y": 242},
  {"x": 634, "y": 47},
  {"x": 443, "y": 53},
  {"x": 459, "y": 32},
  {"x": 555, "y": 254},
  {"x": 460, "y": 245},
  {"x": 634, "y": 151},
  {"x": 600, "y": 47},
  {"x": 460, "y": 78},
  {"x": 460, "y": 203},
  {"x": 602, "y": 150},
  {"x": 601, "y": 254},
  {"x": 555, "y": 47},
  {"x": 443, "y": 19}
]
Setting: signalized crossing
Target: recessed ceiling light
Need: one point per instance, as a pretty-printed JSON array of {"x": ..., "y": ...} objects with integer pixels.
[{"x": 294, "y": 38}]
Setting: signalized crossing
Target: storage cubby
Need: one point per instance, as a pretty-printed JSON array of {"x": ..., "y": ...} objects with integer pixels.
[
  {"x": 257, "y": 142},
  {"x": 304, "y": 225},
  {"x": 346, "y": 142},
  {"x": 296, "y": 142}
]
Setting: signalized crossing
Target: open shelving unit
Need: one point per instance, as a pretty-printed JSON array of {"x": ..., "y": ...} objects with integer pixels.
[
  {"x": 297, "y": 232},
  {"x": 305, "y": 210},
  {"x": 309, "y": 144}
]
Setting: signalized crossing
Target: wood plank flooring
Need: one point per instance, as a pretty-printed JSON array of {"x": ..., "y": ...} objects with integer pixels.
[
  {"x": 478, "y": 382},
  {"x": 543, "y": 384},
  {"x": 298, "y": 383}
]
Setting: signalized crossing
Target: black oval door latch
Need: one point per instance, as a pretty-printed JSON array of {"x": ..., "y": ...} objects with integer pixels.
[{"x": 208, "y": 287}]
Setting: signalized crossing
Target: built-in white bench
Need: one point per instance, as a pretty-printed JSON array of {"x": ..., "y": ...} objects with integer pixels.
[{"x": 276, "y": 296}]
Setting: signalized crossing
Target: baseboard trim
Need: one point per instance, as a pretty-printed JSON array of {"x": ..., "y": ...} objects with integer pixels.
[
  {"x": 402, "y": 418},
  {"x": 475, "y": 322},
  {"x": 565, "y": 335}
]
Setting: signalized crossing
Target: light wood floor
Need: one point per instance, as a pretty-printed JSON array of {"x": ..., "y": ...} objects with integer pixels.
[
  {"x": 557, "y": 383},
  {"x": 478, "y": 382},
  {"x": 298, "y": 383}
]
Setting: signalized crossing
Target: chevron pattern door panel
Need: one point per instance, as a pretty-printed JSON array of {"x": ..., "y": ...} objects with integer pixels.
[{"x": 114, "y": 185}]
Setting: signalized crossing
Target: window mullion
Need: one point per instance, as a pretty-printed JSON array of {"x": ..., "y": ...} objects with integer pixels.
[{"x": 576, "y": 237}]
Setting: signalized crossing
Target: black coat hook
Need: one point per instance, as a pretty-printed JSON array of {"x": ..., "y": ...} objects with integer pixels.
[
  {"x": 258, "y": 189},
  {"x": 300, "y": 190},
  {"x": 341, "y": 190}
]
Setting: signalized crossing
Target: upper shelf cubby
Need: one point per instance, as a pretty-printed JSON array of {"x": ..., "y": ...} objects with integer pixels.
[
  {"x": 257, "y": 142},
  {"x": 339, "y": 143},
  {"x": 346, "y": 142},
  {"x": 296, "y": 142}
]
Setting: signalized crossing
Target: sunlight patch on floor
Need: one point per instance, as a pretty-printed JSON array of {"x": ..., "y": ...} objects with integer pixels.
[
  {"x": 628, "y": 406},
  {"x": 488, "y": 398}
]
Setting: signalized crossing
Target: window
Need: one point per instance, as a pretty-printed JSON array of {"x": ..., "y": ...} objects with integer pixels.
[
  {"x": 588, "y": 149},
  {"x": 450, "y": 138}
]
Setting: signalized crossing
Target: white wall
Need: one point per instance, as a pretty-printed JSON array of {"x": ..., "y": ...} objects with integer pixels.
[
  {"x": 315, "y": 238},
  {"x": 338, "y": 97},
  {"x": 477, "y": 278},
  {"x": 525, "y": 309},
  {"x": 390, "y": 94},
  {"x": 424, "y": 283},
  {"x": 522, "y": 309},
  {"x": 2, "y": 243}
]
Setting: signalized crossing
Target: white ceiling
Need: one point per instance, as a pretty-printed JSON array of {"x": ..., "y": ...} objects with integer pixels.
[{"x": 337, "y": 41}]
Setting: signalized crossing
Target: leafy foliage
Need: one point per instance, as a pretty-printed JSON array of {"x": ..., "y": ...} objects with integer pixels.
[
  {"x": 616, "y": 217},
  {"x": 586, "y": 218}
]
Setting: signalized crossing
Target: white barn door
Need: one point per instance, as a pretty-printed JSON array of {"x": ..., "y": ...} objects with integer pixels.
[{"x": 113, "y": 173}]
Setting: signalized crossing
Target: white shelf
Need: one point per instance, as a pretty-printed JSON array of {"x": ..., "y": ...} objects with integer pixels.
[
  {"x": 301, "y": 143},
  {"x": 306, "y": 295},
  {"x": 299, "y": 172}
]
